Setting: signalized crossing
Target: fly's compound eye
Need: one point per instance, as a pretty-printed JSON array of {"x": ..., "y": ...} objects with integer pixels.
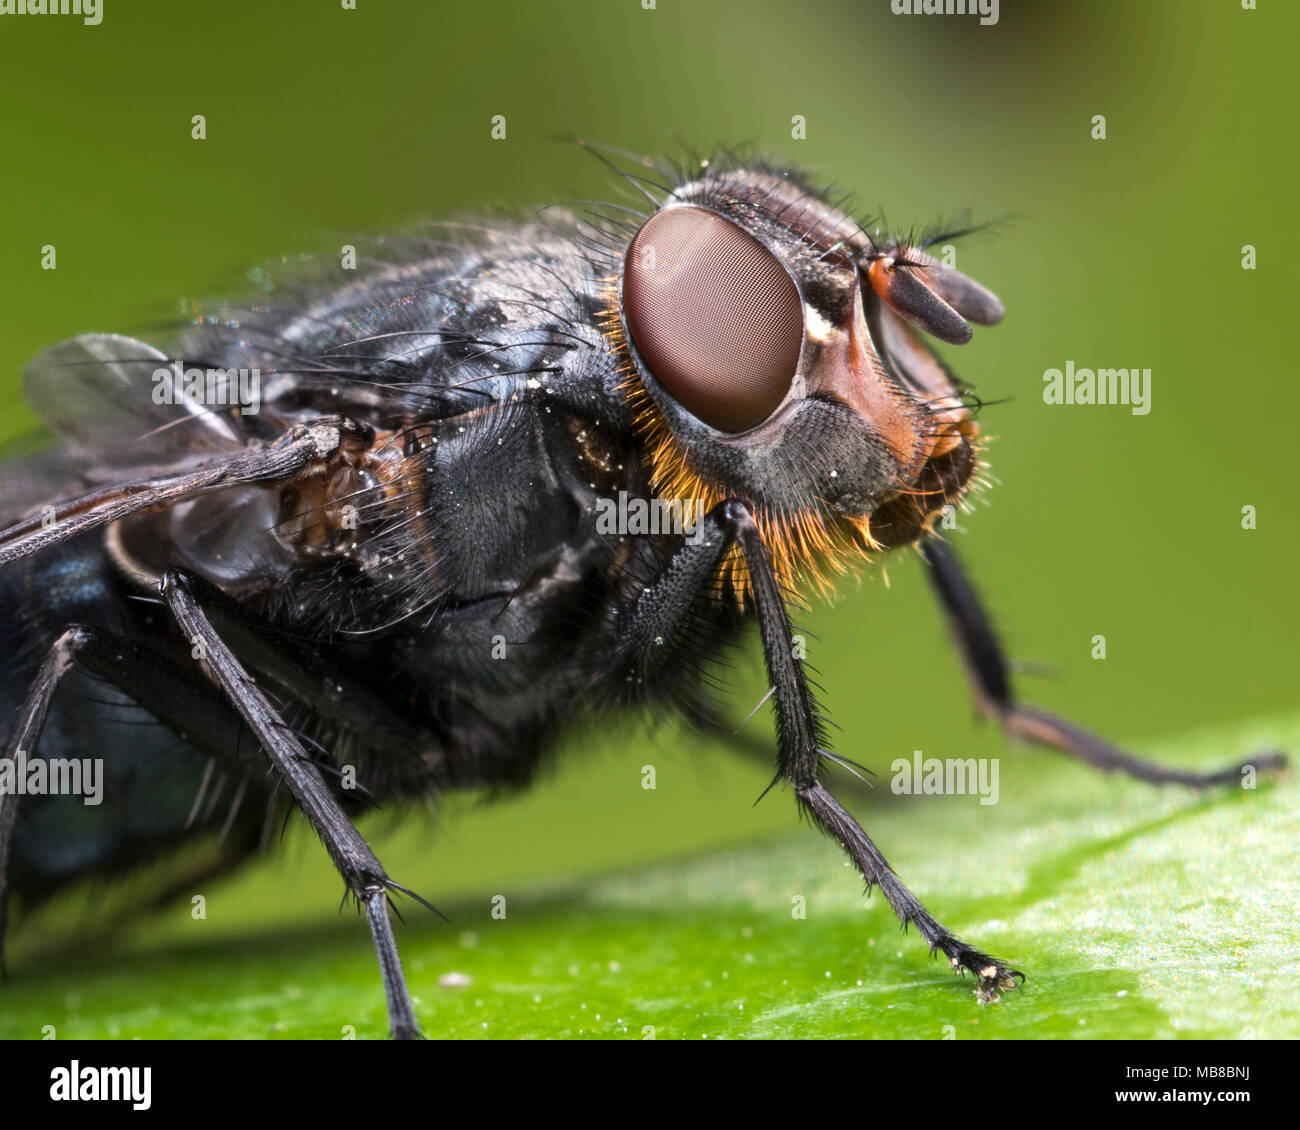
[{"x": 715, "y": 316}]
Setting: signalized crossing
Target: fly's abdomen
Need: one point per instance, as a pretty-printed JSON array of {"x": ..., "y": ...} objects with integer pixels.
[{"x": 107, "y": 785}]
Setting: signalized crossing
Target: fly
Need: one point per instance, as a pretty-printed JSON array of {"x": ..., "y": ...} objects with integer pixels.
[{"x": 380, "y": 538}]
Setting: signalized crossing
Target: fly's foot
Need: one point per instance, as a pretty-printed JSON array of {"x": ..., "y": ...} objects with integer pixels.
[{"x": 992, "y": 976}]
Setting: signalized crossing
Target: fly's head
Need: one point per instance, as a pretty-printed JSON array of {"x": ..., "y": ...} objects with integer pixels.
[{"x": 772, "y": 354}]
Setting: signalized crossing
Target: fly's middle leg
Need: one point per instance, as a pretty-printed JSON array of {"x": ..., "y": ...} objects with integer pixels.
[{"x": 360, "y": 868}]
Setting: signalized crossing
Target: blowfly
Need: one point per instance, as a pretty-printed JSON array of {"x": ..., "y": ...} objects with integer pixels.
[{"x": 370, "y": 536}]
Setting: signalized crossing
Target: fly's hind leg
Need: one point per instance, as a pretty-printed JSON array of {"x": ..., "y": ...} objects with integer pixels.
[
  {"x": 802, "y": 746},
  {"x": 26, "y": 729},
  {"x": 183, "y": 703},
  {"x": 993, "y": 694}
]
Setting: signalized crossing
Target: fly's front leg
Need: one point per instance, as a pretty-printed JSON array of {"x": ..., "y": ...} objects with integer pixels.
[
  {"x": 661, "y": 613},
  {"x": 802, "y": 746},
  {"x": 648, "y": 639},
  {"x": 361, "y": 870},
  {"x": 987, "y": 667}
]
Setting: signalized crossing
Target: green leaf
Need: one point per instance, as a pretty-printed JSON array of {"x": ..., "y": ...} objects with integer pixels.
[{"x": 1134, "y": 912}]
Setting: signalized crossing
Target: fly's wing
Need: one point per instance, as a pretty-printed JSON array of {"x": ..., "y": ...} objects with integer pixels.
[
  {"x": 33, "y": 473},
  {"x": 123, "y": 403},
  {"x": 125, "y": 413}
]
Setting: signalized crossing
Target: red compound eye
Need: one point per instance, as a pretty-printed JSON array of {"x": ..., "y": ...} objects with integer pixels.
[{"x": 715, "y": 315}]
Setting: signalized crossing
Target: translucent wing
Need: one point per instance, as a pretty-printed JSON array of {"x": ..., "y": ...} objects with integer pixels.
[
  {"x": 122, "y": 401},
  {"x": 303, "y": 447}
]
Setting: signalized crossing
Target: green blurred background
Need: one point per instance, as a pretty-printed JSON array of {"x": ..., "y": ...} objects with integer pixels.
[{"x": 324, "y": 122}]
